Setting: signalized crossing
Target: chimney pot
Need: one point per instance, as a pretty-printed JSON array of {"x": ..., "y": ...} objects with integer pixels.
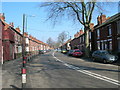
[{"x": 12, "y": 24}]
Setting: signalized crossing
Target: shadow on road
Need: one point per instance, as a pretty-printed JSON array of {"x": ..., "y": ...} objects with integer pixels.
[{"x": 15, "y": 88}]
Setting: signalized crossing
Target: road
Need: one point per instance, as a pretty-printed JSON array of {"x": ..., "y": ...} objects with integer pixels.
[{"x": 56, "y": 70}]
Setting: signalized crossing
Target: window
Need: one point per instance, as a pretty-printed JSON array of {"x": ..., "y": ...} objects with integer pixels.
[
  {"x": 19, "y": 49},
  {"x": 27, "y": 40},
  {"x": 109, "y": 30},
  {"x": 102, "y": 44},
  {"x": 98, "y": 33},
  {"x": 90, "y": 35},
  {"x": 119, "y": 44},
  {"x": 80, "y": 39},
  {"x": 98, "y": 43},
  {"x": 83, "y": 38},
  {"x": 110, "y": 45},
  {"x": 105, "y": 43},
  {"x": 11, "y": 50},
  {"x": 118, "y": 27},
  {"x": 90, "y": 46}
]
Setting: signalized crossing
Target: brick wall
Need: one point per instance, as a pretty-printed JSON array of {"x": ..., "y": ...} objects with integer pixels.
[{"x": 1, "y": 29}]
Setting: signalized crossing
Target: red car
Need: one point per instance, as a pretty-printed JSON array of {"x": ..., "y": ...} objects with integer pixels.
[{"x": 77, "y": 53}]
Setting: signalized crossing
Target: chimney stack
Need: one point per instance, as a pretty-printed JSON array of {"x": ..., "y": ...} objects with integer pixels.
[
  {"x": 81, "y": 32},
  {"x": 18, "y": 29},
  {"x": 25, "y": 34},
  {"x": 91, "y": 25},
  {"x": 101, "y": 19},
  {"x": 2, "y": 17}
]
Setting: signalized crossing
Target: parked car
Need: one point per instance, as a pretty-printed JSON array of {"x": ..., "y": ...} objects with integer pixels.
[
  {"x": 77, "y": 53},
  {"x": 41, "y": 52},
  {"x": 104, "y": 56},
  {"x": 58, "y": 50},
  {"x": 70, "y": 52},
  {"x": 44, "y": 51},
  {"x": 64, "y": 51}
]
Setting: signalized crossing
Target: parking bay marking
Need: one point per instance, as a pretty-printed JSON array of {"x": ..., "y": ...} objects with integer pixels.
[{"x": 98, "y": 76}]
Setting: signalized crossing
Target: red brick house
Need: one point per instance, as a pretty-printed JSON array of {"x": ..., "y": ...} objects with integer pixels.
[
  {"x": 18, "y": 42},
  {"x": 8, "y": 40},
  {"x": 107, "y": 33},
  {"x": 1, "y": 47},
  {"x": 78, "y": 41}
]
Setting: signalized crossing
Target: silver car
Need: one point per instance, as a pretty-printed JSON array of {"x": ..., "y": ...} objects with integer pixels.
[{"x": 104, "y": 56}]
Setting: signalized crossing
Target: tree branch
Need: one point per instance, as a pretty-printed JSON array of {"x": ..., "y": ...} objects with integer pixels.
[
  {"x": 77, "y": 13},
  {"x": 90, "y": 16}
]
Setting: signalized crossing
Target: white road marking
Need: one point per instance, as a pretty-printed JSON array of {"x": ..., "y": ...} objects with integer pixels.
[{"x": 98, "y": 76}]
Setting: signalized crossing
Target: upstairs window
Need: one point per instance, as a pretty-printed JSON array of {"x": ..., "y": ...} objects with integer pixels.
[
  {"x": 83, "y": 38},
  {"x": 118, "y": 27},
  {"x": 80, "y": 39},
  {"x": 118, "y": 44},
  {"x": 98, "y": 33},
  {"x": 109, "y": 30}
]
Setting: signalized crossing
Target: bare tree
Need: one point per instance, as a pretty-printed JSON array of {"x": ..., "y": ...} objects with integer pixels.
[
  {"x": 62, "y": 37},
  {"x": 50, "y": 42},
  {"x": 57, "y": 44},
  {"x": 80, "y": 11}
]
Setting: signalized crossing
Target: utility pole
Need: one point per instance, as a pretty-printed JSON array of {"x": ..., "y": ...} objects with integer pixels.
[{"x": 23, "y": 56}]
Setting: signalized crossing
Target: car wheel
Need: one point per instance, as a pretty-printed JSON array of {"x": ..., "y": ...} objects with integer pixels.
[{"x": 104, "y": 61}]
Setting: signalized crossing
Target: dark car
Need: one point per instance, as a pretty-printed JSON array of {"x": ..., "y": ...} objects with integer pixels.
[
  {"x": 41, "y": 52},
  {"x": 104, "y": 56},
  {"x": 77, "y": 53},
  {"x": 70, "y": 52}
]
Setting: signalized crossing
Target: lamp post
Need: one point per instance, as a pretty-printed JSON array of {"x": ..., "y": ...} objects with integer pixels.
[
  {"x": 26, "y": 18},
  {"x": 24, "y": 80},
  {"x": 23, "y": 56}
]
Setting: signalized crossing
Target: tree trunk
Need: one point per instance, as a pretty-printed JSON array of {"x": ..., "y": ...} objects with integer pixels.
[{"x": 87, "y": 49}]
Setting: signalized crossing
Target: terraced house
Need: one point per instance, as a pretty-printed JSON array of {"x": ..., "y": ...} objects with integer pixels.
[
  {"x": 11, "y": 41},
  {"x": 18, "y": 43},
  {"x": 8, "y": 40},
  {"x": 76, "y": 42},
  {"x": 107, "y": 34},
  {"x": 103, "y": 36}
]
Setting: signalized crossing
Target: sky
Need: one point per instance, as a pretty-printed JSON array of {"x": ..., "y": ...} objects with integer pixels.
[{"x": 37, "y": 26}]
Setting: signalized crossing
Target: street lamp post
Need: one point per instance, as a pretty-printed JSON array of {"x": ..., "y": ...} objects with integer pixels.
[
  {"x": 26, "y": 18},
  {"x": 23, "y": 56},
  {"x": 23, "y": 53}
]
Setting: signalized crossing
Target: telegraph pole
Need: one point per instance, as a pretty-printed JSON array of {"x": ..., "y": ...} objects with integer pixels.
[{"x": 23, "y": 56}]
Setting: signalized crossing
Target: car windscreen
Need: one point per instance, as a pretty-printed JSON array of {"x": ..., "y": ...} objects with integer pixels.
[
  {"x": 105, "y": 52},
  {"x": 71, "y": 51}
]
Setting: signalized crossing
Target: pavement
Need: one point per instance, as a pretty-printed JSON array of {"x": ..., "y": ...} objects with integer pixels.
[{"x": 56, "y": 70}]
